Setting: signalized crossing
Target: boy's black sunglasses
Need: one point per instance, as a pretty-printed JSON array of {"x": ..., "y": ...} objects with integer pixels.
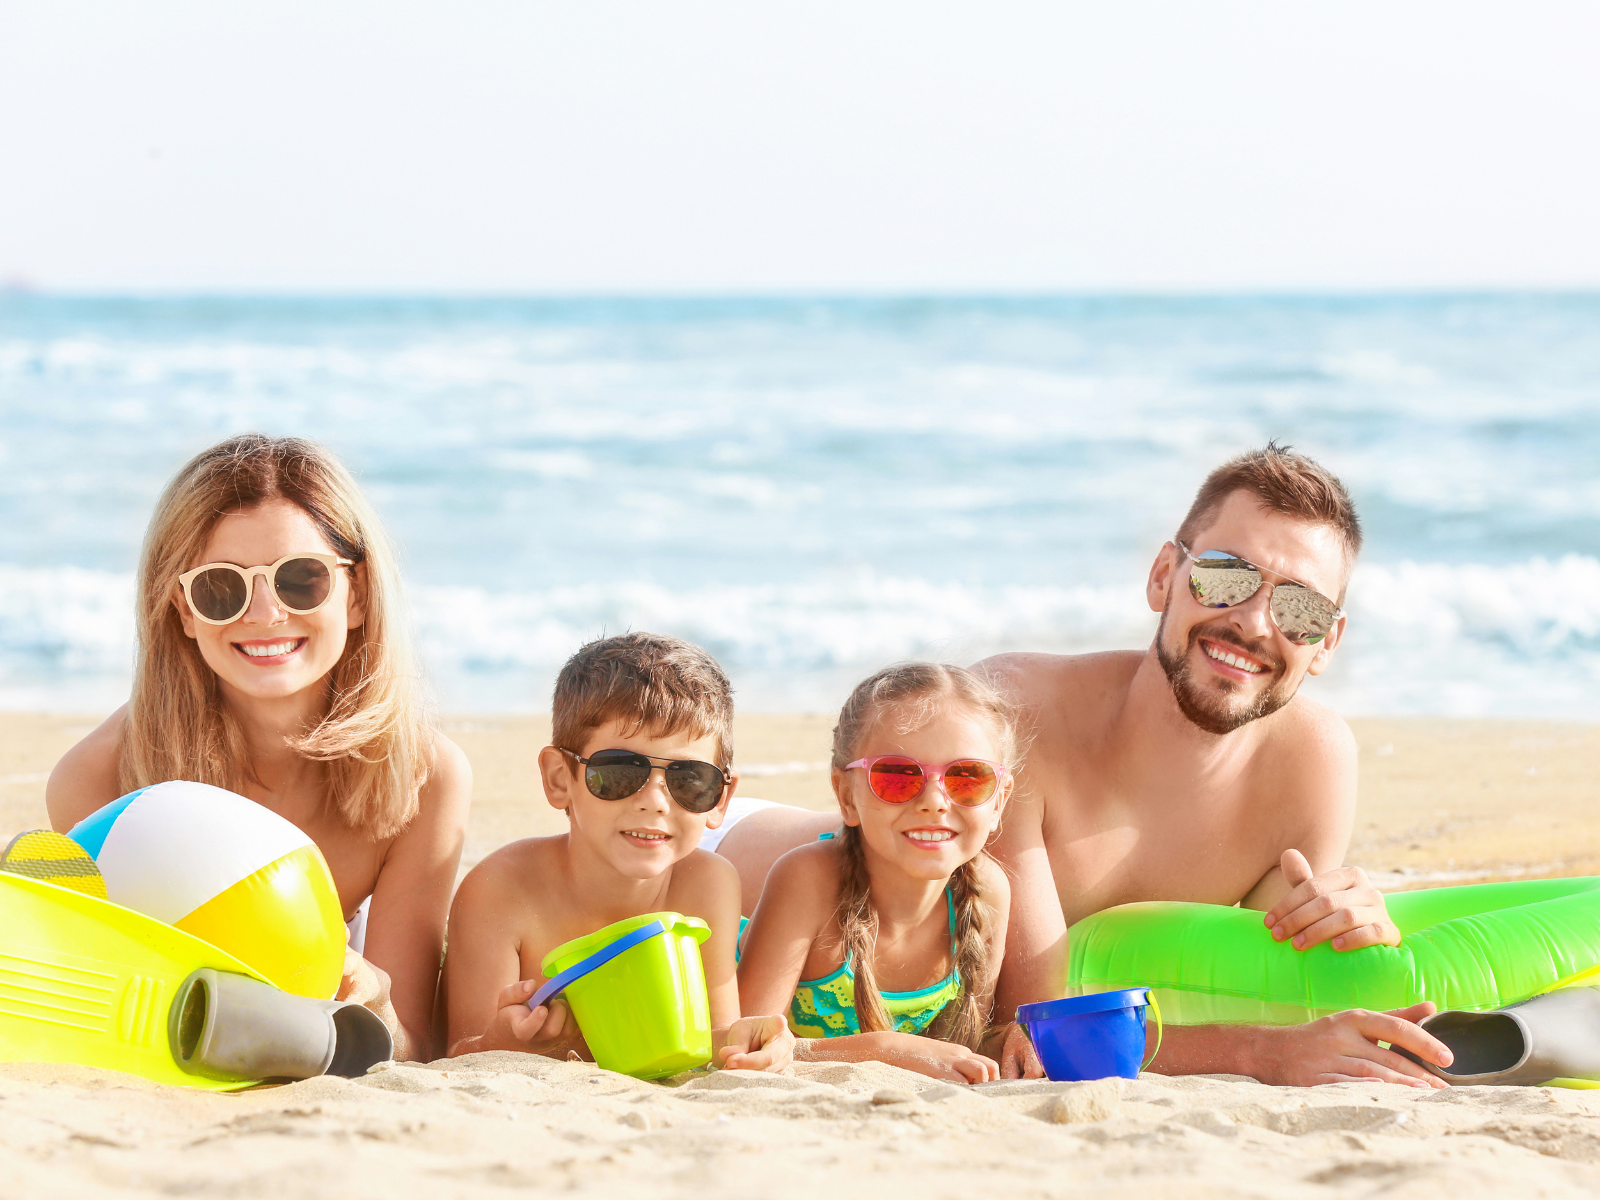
[{"x": 618, "y": 774}]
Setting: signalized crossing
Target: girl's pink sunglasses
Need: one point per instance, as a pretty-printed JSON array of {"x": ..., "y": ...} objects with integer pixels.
[{"x": 896, "y": 779}]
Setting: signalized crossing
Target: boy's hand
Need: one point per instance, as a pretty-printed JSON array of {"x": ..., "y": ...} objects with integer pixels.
[
  {"x": 1018, "y": 1060},
  {"x": 1342, "y": 907},
  {"x": 536, "y": 1029},
  {"x": 757, "y": 1044}
]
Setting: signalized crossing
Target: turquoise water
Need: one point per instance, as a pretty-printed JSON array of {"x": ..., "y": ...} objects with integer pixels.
[{"x": 813, "y": 487}]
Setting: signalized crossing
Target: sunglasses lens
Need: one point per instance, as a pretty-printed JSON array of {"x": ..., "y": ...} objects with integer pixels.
[
  {"x": 1304, "y": 616},
  {"x": 218, "y": 594},
  {"x": 696, "y": 786},
  {"x": 303, "y": 584},
  {"x": 970, "y": 782},
  {"x": 1223, "y": 582},
  {"x": 616, "y": 774},
  {"x": 895, "y": 780}
]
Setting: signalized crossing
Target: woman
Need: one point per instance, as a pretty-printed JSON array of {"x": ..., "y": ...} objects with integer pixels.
[{"x": 288, "y": 681}]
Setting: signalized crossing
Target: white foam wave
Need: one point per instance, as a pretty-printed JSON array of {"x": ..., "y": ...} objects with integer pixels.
[{"x": 1425, "y": 638}]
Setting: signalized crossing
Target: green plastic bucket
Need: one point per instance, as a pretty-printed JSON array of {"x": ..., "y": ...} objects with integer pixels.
[{"x": 644, "y": 1011}]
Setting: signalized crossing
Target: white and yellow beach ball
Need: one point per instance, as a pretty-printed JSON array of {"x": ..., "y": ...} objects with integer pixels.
[{"x": 228, "y": 871}]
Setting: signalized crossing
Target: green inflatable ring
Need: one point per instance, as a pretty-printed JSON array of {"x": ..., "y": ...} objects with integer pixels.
[{"x": 1480, "y": 947}]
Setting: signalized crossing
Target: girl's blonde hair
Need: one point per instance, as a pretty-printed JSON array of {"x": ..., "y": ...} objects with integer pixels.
[
  {"x": 911, "y": 694},
  {"x": 372, "y": 741}
]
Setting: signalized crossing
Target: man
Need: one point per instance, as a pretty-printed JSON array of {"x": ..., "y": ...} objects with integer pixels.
[{"x": 1194, "y": 771}]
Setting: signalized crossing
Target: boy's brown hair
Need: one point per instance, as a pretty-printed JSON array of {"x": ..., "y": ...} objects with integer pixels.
[
  {"x": 1283, "y": 482},
  {"x": 654, "y": 684}
]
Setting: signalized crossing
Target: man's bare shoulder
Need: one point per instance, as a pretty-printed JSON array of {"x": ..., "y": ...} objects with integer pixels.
[
  {"x": 1052, "y": 679},
  {"x": 1307, "y": 743},
  {"x": 1313, "y": 730}
]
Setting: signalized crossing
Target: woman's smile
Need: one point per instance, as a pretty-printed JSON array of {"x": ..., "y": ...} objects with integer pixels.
[{"x": 264, "y": 652}]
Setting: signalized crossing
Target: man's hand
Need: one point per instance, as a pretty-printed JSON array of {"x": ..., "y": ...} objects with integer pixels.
[
  {"x": 1344, "y": 1048},
  {"x": 757, "y": 1044},
  {"x": 1015, "y": 1051},
  {"x": 1341, "y": 907}
]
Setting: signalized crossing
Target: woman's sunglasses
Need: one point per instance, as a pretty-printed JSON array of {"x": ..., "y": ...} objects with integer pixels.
[
  {"x": 617, "y": 774},
  {"x": 219, "y": 593},
  {"x": 896, "y": 779},
  {"x": 1218, "y": 579}
]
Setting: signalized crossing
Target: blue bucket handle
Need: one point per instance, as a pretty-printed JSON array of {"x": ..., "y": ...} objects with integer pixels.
[{"x": 599, "y": 958}]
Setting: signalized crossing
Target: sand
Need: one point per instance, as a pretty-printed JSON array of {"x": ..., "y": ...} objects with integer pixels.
[
  {"x": 1441, "y": 802},
  {"x": 489, "y": 1124}
]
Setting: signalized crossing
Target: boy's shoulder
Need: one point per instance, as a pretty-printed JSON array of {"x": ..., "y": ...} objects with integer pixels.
[
  {"x": 703, "y": 873},
  {"x": 513, "y": 871}
]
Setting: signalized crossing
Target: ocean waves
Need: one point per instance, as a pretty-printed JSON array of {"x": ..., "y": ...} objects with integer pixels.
[
  {"x": 812, "y": 487},
  {"x": 1465, "y": 639}
]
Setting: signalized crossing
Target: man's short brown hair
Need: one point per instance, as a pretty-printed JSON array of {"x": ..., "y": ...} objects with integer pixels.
[
  {"x": 1282, "y": 482},
  {"x": 651, "y": 683}
]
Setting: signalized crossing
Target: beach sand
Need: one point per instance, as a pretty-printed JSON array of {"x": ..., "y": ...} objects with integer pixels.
[{"x": 1441, "y": 802}]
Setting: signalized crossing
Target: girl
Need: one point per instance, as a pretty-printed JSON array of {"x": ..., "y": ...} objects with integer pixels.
[
  {"x": 883, "y": 941},
  {"x": 273, "y": 662}
]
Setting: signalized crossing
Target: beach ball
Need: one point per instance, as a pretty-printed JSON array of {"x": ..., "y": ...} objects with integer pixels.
[{"x": 227, "y": 870}]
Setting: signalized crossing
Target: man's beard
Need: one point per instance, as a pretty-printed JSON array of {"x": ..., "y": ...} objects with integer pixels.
[{"x": 1204, "y": 708}]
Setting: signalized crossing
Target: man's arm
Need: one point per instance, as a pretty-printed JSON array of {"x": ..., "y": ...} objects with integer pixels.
[
  {"x": 1036, "y": 932},
  {"x": 1342, "y": 1048},
  {"x": 1310, "y": 896}
]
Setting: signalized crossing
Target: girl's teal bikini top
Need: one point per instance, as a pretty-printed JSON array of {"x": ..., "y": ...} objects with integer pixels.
[{"x": 827, "y": 1007}]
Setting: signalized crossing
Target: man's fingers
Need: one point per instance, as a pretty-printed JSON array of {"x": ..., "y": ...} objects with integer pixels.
[
  {"x": 1296, "y": 870},
  {"x": 1341, "y": 920},
  {"x": 1379, "y": 933},
  {"x": 1397, "y": 1031}
]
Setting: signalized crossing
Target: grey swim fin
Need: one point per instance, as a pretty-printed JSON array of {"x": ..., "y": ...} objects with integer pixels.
[
  {"x": 227, "y": 1026},
  {"x": 1553, "y": 1036}
]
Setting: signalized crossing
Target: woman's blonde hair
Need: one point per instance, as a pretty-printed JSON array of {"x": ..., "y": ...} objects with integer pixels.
[
  {"x": 911, "y": 694},
  {"x": 372, "y": 740}
]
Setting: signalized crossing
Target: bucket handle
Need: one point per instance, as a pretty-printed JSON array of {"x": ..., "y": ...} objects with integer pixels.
[
  {"x": 1150, "y": 996},
  {"x": 599, "y": 958}
]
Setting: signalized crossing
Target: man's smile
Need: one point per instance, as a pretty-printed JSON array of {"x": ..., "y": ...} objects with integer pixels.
[{"x": 1230, "y": 661}]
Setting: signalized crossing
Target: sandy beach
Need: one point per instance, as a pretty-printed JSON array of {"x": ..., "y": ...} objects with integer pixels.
[{"x": 1441, "y": 801}]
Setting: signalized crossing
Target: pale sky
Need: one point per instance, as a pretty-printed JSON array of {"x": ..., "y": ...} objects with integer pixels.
[{"x": 738, "y": 145}]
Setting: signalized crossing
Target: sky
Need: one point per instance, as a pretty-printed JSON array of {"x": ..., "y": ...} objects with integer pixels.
[{"x": 724, "y": 146}]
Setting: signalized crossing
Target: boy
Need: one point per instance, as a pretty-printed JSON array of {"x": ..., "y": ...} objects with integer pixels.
[{"x": 642, "y": 727}]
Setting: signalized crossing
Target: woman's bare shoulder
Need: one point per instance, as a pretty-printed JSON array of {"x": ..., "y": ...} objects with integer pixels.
[
  {"x": 446, "y": 795},
  {"x": 85, "y": 778}
]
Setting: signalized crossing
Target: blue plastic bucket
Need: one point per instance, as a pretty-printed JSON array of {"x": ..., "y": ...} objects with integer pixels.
[{"x": 1089, "y": 1037}]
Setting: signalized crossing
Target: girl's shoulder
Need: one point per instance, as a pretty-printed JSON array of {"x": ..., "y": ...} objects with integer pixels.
[{"x": 808, "y": 871}]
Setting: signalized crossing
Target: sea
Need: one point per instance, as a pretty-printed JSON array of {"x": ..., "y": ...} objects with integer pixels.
[{"x": 813, "y": 487}]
